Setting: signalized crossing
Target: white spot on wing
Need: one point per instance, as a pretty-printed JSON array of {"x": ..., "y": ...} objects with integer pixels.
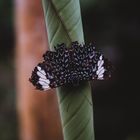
[
  {"x": 101, "y": 72},
  {"x": 43, "y": 72},
  {"x": 101, "y": 69},
  {"x": 41, "y": 75},
  {"x": 44, "y": 80},
  {"x": 100, "y": 76},
  {"x": 100, "y": 63},
  {"x": 46, "y": 87},
  {"x": 101, "y": 57},
  {"x": 39, "y": 68},
  {"x": 43, "y": 83}
]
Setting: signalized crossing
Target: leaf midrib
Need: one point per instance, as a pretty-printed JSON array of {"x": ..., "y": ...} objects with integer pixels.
[{"x": 61, "y": 20}]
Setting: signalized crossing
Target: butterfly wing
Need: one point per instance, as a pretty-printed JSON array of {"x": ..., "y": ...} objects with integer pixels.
[{"x": 69, "y": 66}]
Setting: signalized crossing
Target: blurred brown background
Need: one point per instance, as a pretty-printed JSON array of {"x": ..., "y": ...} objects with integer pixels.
[{"x": 26, "y": 114}]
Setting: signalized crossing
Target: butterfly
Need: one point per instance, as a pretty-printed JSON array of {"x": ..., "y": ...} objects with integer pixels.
[{"x": 71, "y": 65}]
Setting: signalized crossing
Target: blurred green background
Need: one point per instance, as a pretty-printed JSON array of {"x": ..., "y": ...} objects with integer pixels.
[{"x": 114, "y": 27}]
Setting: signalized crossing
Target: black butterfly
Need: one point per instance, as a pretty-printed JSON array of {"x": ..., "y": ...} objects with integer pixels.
[{"x": 69, "y": 66}]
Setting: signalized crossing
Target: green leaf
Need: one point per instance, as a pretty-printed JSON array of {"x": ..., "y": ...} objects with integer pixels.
[{"x": 64, "y": 25}]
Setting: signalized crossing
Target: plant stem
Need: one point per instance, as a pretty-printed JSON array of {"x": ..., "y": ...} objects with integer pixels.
[{"x": 64, "y": 25}]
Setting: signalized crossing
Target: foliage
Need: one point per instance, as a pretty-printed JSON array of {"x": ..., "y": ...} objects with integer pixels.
[{"x": 63, "y": 21}]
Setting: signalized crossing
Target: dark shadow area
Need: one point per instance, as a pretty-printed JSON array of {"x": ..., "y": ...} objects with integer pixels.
[
  {"x": 8, "y": 116},
  {"x": 114, "y": 26}
]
